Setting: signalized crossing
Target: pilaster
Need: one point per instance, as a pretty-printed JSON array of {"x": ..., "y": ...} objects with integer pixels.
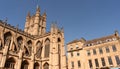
[{"x": 54, "y": 54}]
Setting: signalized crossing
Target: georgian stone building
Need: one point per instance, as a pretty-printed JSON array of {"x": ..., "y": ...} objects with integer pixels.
[
  {"x": 100, "y": 53},
  {"x": 33, "y": 48}
]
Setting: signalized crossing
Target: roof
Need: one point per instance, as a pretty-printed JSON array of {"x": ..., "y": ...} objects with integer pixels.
[
  {"x": 100, "y": 39},
  {"x": 77, "y": 40},
  {"x": 97, "y": 40}
]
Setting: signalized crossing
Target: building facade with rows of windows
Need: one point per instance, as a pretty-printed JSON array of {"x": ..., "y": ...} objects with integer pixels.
[
  {"x": 100, "y": 53},
  {"x": 33, "y": 48}
]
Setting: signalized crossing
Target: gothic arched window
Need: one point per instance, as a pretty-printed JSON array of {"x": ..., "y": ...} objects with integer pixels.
[
  {"x": 19, "y": 41},
  {"x": 46, "y": 66},
  {"x": 7, "y": 38},
  {"x": 59, "y": 40},
  {"x": 29, "y": 44},
  {"x": 38, "y": 49},
  {"x": 26, "y": 51},
  {"x": 47, "y": 48}
]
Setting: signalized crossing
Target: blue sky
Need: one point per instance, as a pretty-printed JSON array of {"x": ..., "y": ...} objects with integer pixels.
[{"x": 80, "y": 18}]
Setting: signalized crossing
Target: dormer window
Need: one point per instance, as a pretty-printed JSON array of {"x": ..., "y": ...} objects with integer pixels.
[
  {"x": 88, "y": 44},
  {"x": 71, "y": 48},
  {"x": 99, "y": 42},
  {"x": 77, "y": 46},
  {"x": 107, "y": 40},
  {"x": 114, "y": 38},
  {"x": 91, "y": 44}
]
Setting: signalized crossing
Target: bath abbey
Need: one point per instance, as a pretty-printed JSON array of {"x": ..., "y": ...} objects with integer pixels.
[{"x": 33, "y": 48}]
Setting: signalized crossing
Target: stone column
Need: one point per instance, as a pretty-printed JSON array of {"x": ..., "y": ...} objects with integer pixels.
[
  {"x": 5, "y": 50},
  {"x": 32, "y": 59},
  {"x": 11, "y": 44},
  {"x": 19, "y": 60},
  {"x": 20, "y": 56}
]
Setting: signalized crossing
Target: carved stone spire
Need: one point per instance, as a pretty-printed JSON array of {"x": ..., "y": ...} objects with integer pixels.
[
  {"x": 28, "y": 15},
  {"x": 38, "y": 10}
]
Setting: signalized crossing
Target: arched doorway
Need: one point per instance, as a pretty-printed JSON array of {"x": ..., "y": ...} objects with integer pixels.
[
  {"x": 46, "y": 66},
  {"x": 24, "y": 64},
  {"x": 36, "y": 65},
  {"x": 10, "y": 63}
]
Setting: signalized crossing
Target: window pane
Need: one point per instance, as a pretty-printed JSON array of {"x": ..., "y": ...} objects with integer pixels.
[
  {"x": 79, "y": 64},
  {"x": 90, "y": 63},
  {"x": 110, "y": 61},
  {"x": 72, "y": 63},
  {"x": 107, "y": 49},
  {"x": 117, "y": 60},
  {"x": 88, "y": 52},
  {"x": 71, "y": 54},
  {"x": 114, "y": 48},
  {"x": 100, "y": 51},
  {"x": 94, "y": 51},
  {"x": 103, "y": 61},
  {"x": 78, "y": 53},
  {"x": 96, "y": 63},
  {"x": 47, "y": 50}
]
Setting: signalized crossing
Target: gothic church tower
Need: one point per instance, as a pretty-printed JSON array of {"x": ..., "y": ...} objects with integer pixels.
[
  {"x": 36, "y": 24},
  {"x": 43, "y": 50}
]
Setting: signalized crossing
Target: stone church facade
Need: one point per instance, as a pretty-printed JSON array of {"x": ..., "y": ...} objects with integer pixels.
[{"x": 33, "y": 48}]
